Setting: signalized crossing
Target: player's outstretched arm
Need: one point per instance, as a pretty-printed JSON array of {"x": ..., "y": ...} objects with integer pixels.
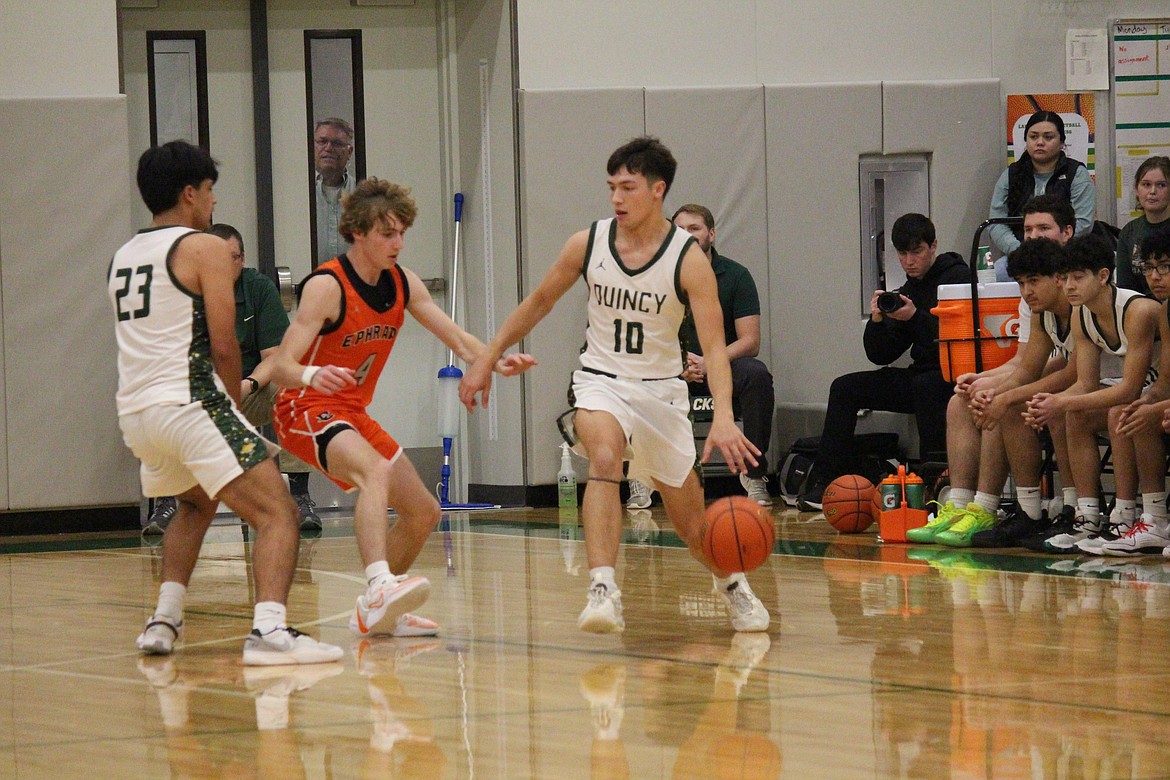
[
  {"x": 477, "y": 382},
  {"x": 320, "y": 303},
  {"x": 698, "y": 282},
  {"x": 424, "y": 309}
]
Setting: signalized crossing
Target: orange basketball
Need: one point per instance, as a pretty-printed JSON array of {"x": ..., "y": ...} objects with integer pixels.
[
  {"x": 875, "y": 507},
  {"x": 848, "y": 503},
  {"x": 738, "y": 534}
]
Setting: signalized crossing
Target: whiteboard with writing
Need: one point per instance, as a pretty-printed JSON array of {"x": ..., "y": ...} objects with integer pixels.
[{"x": 1140, "y": 64}]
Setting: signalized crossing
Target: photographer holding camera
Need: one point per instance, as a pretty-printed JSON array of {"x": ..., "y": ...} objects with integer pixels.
[{"x": 899, "y": 320}]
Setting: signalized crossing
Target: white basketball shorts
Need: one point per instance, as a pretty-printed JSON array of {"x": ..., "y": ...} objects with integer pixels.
[
  {"x": 654, "y": 416},
  {"x": 180, "y": 446}
]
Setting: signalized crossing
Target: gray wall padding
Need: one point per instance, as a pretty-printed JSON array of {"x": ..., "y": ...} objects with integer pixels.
[
  {"x": 961, "y": 124},
  {"x": 814, "y": 137},
  {"x": 64, "y": 211},
  {"x": 566, "y": 136}
]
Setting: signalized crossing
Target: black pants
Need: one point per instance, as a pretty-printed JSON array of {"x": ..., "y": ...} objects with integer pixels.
[
  {"x": 924, "y": 394},
  {"x": 755, "y": 400}
]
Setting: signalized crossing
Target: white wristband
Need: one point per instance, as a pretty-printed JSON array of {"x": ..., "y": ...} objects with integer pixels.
[{"x": 308, "y": 374}]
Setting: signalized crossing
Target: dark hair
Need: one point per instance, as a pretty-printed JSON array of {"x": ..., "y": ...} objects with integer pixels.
[
  {"x": 226, "y": 231},
  {"x": 164, "y": 171},
  {"x": 698, "y": 211},
  {"x": 1060, "y": 208},
  {"x": 1155, "y": 246},
  {"x": 1086, "y": 253},
  {"x": 1046, "y": 116},
  {"x": 645, "y": 155},
  {"x": 1035, "y": 257},
  {"x": 910, "y": 230}
]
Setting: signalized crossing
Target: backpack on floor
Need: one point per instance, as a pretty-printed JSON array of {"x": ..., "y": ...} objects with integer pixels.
[{"x": 877, "y": 458}]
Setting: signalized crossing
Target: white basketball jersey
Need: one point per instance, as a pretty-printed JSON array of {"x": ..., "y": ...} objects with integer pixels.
[
  {"x": 164, "y": 349},
  {"x": 1062, "y": 341},
  {"x": 634, "y": 315},
  {"x": 1121, "y": 300}
]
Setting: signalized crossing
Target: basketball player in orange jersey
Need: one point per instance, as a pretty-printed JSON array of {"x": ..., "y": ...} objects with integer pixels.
[
  {"x": 351, "y": 311},
  {"x": 642, "y": 272}
]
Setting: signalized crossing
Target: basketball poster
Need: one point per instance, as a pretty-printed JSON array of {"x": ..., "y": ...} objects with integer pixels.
[{"x": 1075, "y": 108}]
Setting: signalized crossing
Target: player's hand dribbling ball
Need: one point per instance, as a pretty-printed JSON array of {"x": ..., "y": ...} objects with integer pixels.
[
  {"x": 738, "y": 534},
  {"x": 848, "y": 504}
]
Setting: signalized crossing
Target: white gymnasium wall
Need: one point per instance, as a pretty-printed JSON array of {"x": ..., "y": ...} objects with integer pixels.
[
  {"x": 58, "y": 49},
  {"x": 495, "y": 453}
]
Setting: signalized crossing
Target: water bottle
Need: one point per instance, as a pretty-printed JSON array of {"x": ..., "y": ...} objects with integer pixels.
[{"x": 566, "y": 481}]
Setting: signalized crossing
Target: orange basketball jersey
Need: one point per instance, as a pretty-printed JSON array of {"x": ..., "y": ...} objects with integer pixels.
[{"x": 361, "y": 338}]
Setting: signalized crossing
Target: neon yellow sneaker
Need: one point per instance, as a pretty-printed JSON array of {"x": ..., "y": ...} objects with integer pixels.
[
  {"x": 975, "y": 519},
  {"x": 948, "y": 514}
]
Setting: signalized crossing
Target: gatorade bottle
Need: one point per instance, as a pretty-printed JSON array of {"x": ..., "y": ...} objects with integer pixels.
[{"x": 566, "y": 481}]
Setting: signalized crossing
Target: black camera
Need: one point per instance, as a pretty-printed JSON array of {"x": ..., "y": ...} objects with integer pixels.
[{"x": 889, "y": 301}]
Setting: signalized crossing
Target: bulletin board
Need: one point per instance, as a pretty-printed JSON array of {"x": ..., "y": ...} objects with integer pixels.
[{"x": 1140, "y": 50}]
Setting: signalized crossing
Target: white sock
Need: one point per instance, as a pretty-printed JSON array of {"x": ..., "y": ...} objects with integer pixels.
[
  {"x": 987, "y": 501},
  {"x": 269, "y": 616},
  {"x": 1089, "y": 508},
  {"x": 1126, "y": 508},
  {"x": 726, "y": 582},
  {"x": 172, "y": 597},
  {"x": 377, "y": 573},
  {"x": 1155, "y": 507},
  {"x": 1069, "y": 494},
  {"x": 603, "y": 575},
  {"x": 960, "y": 497},
  {"x": 1029, "y": 501}
]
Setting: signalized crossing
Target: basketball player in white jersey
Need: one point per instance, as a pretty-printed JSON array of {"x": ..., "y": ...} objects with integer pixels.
[
  {"x": 172, "y": 288},
  {"x": 1105, "y": 320},
  {"x": 641, "y": 272}
]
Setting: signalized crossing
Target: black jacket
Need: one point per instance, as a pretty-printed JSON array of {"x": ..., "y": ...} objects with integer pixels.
[{"x": 888, "y": 340}]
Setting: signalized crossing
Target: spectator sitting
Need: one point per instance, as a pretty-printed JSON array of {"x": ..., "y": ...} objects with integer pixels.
[{"x": 918, "y": 389}]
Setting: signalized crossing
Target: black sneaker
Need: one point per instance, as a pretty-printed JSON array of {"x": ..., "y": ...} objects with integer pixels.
[
  {"x": 165, "y": 508},
  {"x": 1016, "y": 527},
  {"x": 309, "y": 519},
  {"x": 1063, "y": 524}
]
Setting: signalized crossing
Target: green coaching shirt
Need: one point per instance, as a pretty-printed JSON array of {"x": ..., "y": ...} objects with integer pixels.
[
  {"x": 260, "y": 318},
  {"x": 737, "y": 296}
]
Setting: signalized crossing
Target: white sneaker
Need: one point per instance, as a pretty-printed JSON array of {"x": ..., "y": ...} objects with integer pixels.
[
  {"x": 757, "y": 489},
  {"x": 1120, "y": 521},
  {"x": 415, "y": 625},
  {"x": 286, "y": 645},
  {"x": 393, "y": 599},
  {"x": 1145, "y": 538},
  {"x": 1083, "y": 528},
  {"x": 640, "y": 495},
  {"x": 747, "y": 612},
  {"x": 159, "y": 636},
  {"x": 603, "y": 611}
]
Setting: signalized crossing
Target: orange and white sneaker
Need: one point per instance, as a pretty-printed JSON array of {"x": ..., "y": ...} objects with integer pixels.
[
  {"x": 388, "y": 602},
  {"x": 415, "y": 625}
]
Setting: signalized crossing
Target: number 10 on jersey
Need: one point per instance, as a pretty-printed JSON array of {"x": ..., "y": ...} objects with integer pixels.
[{"x": 629, "y": 332}]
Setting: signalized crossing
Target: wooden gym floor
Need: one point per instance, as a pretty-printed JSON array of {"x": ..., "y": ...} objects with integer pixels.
[{"x": 881, "y": 662}]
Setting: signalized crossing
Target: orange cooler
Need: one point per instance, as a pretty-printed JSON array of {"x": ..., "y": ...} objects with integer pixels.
[{"x": 999, "y": 312}]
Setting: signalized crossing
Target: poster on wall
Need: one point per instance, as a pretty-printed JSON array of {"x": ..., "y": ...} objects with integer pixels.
[
  {"x": 1141, "y": 102},
  {"x": 1075, "y": 108}
]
